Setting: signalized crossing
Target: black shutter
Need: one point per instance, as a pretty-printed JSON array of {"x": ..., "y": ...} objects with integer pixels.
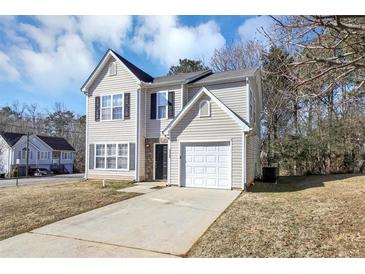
[
  {"x": 127, "y": 105},
  {"x": 171, "y": 104},
  {"x": 91, "y": 156},
  {"x": 97, "y": 108},
  {"x": 153, "y": 106},
  {"x": 132, "y": 156}
]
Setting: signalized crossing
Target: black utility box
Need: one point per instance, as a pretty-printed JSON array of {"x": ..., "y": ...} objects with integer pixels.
[{"x": 270, "y": 174}]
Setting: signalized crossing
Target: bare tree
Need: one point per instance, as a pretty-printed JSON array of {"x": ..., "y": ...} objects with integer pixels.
[
  {"x": 330, "y": 49},
  {"x": 237, "y": 55}
]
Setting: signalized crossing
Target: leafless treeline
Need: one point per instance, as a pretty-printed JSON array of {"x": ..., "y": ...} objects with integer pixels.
[
  {"x": 23, "y": 118},
  {"x": 313, "y": 79}
]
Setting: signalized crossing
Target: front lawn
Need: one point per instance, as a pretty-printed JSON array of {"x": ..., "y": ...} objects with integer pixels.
[
  {"x": 28, "y": 207},
  {"x": 315, "y": 216}
]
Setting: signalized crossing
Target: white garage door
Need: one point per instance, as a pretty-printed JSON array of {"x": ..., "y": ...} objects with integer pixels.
[{"x": 206, "y": 165}]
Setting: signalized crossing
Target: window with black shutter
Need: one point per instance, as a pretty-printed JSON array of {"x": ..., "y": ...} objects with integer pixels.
[
  {"x": 127, "y": 105},
  {"x": 171, "y": 104},
  {"x": 97, "y": 108},
  {"x": 153, "y": 106}
]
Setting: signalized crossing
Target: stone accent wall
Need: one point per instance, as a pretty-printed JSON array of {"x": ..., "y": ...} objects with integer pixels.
[{"x": 149, "y": 156}]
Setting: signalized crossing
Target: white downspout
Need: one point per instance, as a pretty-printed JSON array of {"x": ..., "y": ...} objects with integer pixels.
[
  {"x": 138, "y": 106},
  {"x": 87, "y": 139}
]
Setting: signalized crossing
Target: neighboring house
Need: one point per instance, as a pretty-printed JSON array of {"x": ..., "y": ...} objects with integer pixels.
[
  {"x": 198, "y": 129},
  {"x": 44, "y": 152}
]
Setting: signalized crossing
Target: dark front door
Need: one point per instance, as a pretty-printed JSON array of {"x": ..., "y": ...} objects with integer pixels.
[{"x": 161, "y": 162}]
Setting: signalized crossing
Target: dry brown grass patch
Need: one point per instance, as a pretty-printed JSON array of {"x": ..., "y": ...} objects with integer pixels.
[
  {"x": 28, "y": 207},
  {"x": 318, "y": 216}
]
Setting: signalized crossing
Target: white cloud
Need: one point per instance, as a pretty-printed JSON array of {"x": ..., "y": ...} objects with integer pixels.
[
  {"x": 251, "y": 29},
  {"x": 162, "y": 38},
  {"x": 57, "y": 53},
  {"x": 109, "y": 30},
  {"x": 7, "y": 71}
]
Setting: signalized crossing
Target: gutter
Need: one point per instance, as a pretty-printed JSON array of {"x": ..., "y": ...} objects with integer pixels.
[{"x": 220, "y": 81}]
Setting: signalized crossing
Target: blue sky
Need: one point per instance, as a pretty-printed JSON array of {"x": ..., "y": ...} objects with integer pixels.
[{"x": 45, "y": 59}]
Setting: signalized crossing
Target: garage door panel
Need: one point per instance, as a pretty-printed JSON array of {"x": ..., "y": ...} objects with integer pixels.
[
  {"x": 211, "y": 171},
  {"x": 211, "y": 159},
  {"x": 198, "y": 171},
  {"x": 211, "y": 182},
  {"x": 198, "y": 159},
  {"x": 206, "y": 165}
]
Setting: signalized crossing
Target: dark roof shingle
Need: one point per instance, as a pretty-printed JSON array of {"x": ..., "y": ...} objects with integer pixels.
[
  {"x": 11, "y": 137},
  {"x": 56, "y": 143},
  {"x": 217, "y": 76},
  {"x": 181, "y": 77},
  {"x": 140, "y": 74}
]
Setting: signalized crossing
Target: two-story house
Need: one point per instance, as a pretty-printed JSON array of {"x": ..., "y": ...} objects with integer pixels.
[
  {"x": 199, "y": 129},
  {"x": 44, "y": 152}
]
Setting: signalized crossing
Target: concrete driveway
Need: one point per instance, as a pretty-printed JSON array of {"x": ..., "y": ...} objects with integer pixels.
[{"x": 163, "y": 223}]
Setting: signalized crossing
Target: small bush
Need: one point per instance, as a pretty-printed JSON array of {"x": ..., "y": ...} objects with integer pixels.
[{"x": 14, "y": 172}]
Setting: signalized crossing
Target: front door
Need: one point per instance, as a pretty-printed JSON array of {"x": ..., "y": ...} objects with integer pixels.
[{"x": 161, "y": 162}]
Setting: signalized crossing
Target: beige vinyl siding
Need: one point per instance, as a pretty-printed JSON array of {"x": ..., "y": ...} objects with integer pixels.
[
  {"x": 252, "y": 157},
  {"x": 219, "y": 126},
  {"x": 155, "y": 127},
  {"x": 112, "y": 131},
  {"x": 233, "y": 95}
]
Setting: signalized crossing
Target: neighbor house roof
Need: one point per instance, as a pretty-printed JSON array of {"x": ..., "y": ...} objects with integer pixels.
[
  {"x": 11, "y": 137},
  {"x": 227, "y": 75},
  {"x": 56, "y": 143}
]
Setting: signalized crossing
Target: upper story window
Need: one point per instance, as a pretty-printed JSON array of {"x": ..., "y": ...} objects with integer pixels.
[
  {"x": 112, "y": 107},
  {"x": 161, "y": 104},
  {"x": 113, "y": 68},
  {"x": 204, "y": 108}
]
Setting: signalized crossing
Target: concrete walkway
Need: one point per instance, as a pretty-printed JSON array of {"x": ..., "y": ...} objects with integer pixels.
[{"x": 162, "y": 223}]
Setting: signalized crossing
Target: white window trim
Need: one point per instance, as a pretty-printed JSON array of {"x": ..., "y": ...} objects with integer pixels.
[
  {"x": 200, "y": 104},
  {"x": 105, "y": 156},
  {"x": 45, "y": 155},
  {"x": 111, "y": 107},
  {"x": 114, "y": 63},
  {"x": 167, "y": 104}
]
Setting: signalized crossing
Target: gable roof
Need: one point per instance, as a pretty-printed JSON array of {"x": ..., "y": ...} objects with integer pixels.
[
  {"x": 242, "y": 123},
  {"x": 138, "y": 73},
  {"x": 11, "y": 138},
  {"x": 183, "y": 77},
  {"x": 228, "y": 75},
  {"x": 56, "y": 143}
]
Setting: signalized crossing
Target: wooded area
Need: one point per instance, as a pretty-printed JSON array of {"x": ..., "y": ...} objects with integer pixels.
[
  {"x": 59, "y": 122},
  {"x": 313, "y": 74}
]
